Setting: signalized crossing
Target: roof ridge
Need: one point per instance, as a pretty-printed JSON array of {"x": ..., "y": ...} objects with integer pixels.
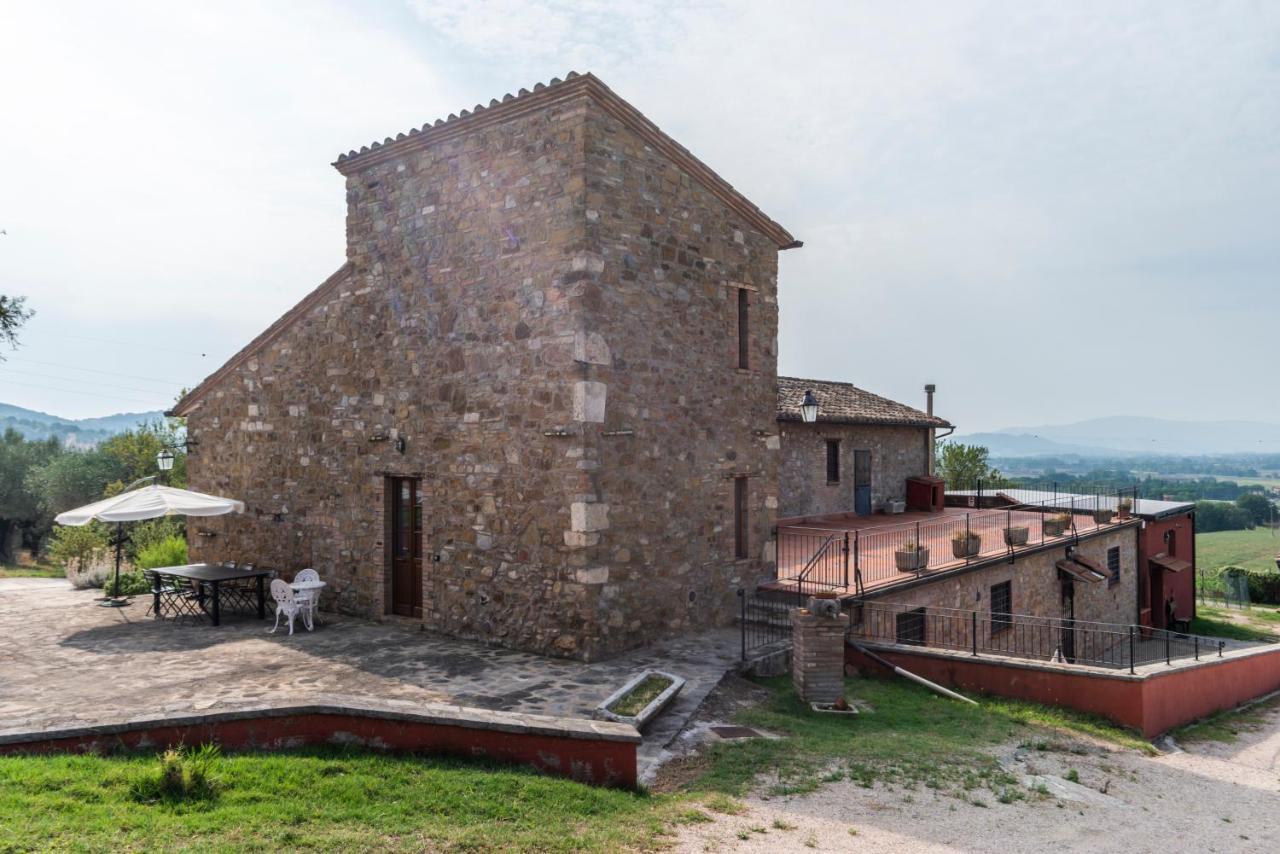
[{"x": 546, "y": 93}]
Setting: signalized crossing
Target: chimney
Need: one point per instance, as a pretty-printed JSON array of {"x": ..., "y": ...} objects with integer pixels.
[{"x": 930, "y": 435}]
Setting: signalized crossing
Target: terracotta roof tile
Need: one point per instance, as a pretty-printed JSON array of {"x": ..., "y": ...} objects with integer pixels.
[{"x": 844, "y": 403}]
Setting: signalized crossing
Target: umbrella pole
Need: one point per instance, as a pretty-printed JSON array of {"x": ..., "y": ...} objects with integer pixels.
[{"x": 115, "y": 600}]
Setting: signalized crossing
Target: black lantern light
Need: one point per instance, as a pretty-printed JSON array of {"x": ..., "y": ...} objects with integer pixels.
[
  {"x": 809, "y": 408},
  {"x": 164, "y": 460}
]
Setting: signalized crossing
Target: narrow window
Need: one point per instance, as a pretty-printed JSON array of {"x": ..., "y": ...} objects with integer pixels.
[
  {"x": 911, "y": 627},
  {"x": 1113, "y": 566},
  {"x": 833, "y": 461},
  {"x": 1001, "y": 606},
  {"x": 1172, "y": 538},
  {"x": 744, "y": 314},
  {"x": 740, "y": 517}
]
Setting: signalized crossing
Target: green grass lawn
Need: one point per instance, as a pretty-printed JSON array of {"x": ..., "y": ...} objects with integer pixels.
[
  {"x": 344, "y": 800},
  {"x": 1260, "y": 622},
  {"x": 320, "y": 800},
  {"x": 38, "y": 571},
  {"x": 911, "y": 737},
  {"x": 1254, "y": 549}
]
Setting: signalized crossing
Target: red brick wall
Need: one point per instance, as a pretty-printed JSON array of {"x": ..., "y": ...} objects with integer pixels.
[
  {"x": 1151, "y": 703},
  {"x": 600, "y": 762},
  {"x": 1181, "y": 585}
]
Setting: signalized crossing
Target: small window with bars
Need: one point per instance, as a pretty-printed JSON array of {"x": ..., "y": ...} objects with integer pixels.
[
  {"x": 833, "y": 461},
  {"x": 744, "y": 328},
  {"x": 910, "y": 628},
  {"x": 1001, "y": 606},
  {"x": 1113, "y": 566}
]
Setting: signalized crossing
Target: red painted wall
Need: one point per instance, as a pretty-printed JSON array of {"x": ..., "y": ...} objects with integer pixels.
[
  {"x": 1152, "y": 703},
  {"x": 1181, "y": 585},
  {"x": 601, "y": 762}
]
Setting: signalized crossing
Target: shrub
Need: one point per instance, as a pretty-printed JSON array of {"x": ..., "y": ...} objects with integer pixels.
[
  {"x": 184, "y": 774},
  {"x": 170, "y": 551},
  {"x": 144, "y": 535},
  {"x": 131, "y": 584},
  {"x": 79, "y": 544},
  {"x": 1263, "y": 584}
]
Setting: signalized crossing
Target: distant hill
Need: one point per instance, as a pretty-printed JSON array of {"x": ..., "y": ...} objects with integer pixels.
[
  {"x": 1125, "y": 435},
  {"x": 79, "y": 433}
]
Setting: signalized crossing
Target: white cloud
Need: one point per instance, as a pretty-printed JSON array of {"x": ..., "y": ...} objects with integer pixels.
[{"x": 1034, "y": 178}]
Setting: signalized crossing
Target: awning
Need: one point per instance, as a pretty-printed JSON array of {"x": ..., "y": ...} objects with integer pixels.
[
  {"x": 1172, "y": 564},
  {"x": 1081, "y": 569}
]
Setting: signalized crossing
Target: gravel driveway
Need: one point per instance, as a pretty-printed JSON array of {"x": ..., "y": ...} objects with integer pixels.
[{"x": 1208, "y": 797}]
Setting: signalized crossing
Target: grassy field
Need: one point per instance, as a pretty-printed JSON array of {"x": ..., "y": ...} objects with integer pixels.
[
  {"x": 1260, "y": 622},
  {"x": 1254, "y": 549},
  {"x": 1227, "y": 726},
  {"x": 342, "y": 800},
  {"x": 38, "y": 571}
]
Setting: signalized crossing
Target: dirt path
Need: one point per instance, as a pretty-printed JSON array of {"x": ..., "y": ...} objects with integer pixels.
[{"x": 1212, "y": 797}]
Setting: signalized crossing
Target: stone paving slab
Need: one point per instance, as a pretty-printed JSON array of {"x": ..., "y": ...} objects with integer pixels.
[{"x": 66, "y": 662}]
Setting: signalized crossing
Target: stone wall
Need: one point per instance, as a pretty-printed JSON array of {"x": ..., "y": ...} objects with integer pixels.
[
  {"x": 897, "y": 453},
  {"x": 537, "y": 308},
  {"x": 679, "y": 419},
  {"x": 1036, "y": 590}
]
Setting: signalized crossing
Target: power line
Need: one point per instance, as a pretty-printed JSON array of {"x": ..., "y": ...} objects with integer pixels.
[
  {"x": 91, "y": 370},
  {"x": 77, "y": 393},
  {"x": 78, "y": 380}
]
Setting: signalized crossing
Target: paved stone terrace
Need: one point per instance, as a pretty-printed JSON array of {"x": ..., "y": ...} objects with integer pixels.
[{"x": 65, "y": 662}]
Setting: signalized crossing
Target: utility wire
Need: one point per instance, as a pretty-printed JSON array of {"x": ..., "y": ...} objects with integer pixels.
[
  {"x": 90, "y": 370},
  {"x": 94, "y": 383}
]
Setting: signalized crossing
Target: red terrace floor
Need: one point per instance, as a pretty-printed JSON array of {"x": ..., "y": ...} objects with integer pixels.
[{"x": 873, "y": 541}]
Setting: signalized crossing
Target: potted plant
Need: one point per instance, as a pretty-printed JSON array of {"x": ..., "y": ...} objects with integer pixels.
[
  {"x": 1103, "y": 515},
  {"x": 965, "y": 544},
  {"x": 1124, "y": 506},
  {"x": 1016, "y": 535},
  {"x": 1057, "y": 524},
  {"x": 911, "y": 557}
]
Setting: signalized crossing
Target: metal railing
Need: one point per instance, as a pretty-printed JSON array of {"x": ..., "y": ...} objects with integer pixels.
[
  {"x": 853, "y": 560},
  {"x": 764, "y": 622},
  {"x": 1113, "y": 645}
]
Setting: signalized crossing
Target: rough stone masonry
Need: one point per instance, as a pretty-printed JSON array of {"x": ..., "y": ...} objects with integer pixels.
[{"x": 538, "y": 319}]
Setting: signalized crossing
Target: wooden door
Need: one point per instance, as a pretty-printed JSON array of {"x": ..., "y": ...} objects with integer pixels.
[
  {"x": 405, "y": 511},
  {"x": 862, "y": 483}
]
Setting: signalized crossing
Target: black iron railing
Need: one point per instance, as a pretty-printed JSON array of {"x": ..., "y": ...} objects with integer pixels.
[
  {"x": 764, "y": 622},
  {"x": 853, "y": 560},
  {"x": 1111, "y": 645}
]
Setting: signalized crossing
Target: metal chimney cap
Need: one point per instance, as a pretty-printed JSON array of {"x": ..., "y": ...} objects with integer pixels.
[{"x": 930, "y": 388}]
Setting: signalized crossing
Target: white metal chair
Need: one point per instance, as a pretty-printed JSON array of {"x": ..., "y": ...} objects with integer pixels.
[
  {"x": 288, "y": 605},
  {"x": 310, "y": 599}
]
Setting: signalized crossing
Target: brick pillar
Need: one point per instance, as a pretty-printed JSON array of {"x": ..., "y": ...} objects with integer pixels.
[{"x": 817, "y": 655}]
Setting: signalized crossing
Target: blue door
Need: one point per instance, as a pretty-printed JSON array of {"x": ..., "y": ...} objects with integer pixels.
[{"x": 862, "y": 483}]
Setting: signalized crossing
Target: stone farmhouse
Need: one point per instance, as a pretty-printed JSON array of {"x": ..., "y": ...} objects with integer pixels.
[{"x": 538, "y": 406}]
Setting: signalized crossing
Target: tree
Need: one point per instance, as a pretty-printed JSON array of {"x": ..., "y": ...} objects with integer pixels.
[
  {"x": 13, "y": 313},
  {"x": 1221, "y": 516},
  {"x": 22, "y": 517},
  {"x": 1259, "y": 507},
  {"x": 964, "y": 466}
]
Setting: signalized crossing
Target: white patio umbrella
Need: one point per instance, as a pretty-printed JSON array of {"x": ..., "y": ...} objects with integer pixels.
[{"x": 149, "y": 502}]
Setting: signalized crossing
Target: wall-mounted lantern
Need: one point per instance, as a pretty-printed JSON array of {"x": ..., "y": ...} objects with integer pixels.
[
  {"x": 164, "y": 460},
  {"x": 809, "y": 408}
]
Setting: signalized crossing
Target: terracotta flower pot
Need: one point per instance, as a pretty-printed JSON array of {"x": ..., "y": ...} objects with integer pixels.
[
  {"x": 1102, "y": 517},
  {"x": 1054, "y": 527},
  {"x": 911, "y": 560},
  {"x": 966, "y": 546},
  {"x": 1017, "y": 535}
]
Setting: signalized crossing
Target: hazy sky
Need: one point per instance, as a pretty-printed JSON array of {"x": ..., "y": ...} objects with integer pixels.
[{"x": 1052, "y": 210}]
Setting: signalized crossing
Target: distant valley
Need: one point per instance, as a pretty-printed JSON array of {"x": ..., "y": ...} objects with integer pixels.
[
  {"x": 77, "y": 433},
  {"x": 1131, "y": 436}
]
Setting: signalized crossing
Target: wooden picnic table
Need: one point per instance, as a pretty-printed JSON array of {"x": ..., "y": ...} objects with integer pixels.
[{"x": 210, "y": 577}]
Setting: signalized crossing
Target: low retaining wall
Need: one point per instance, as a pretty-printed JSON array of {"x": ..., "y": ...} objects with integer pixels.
[
  {"x": 1155, "y": 699},
  {"x": 598, "y": 752}
]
